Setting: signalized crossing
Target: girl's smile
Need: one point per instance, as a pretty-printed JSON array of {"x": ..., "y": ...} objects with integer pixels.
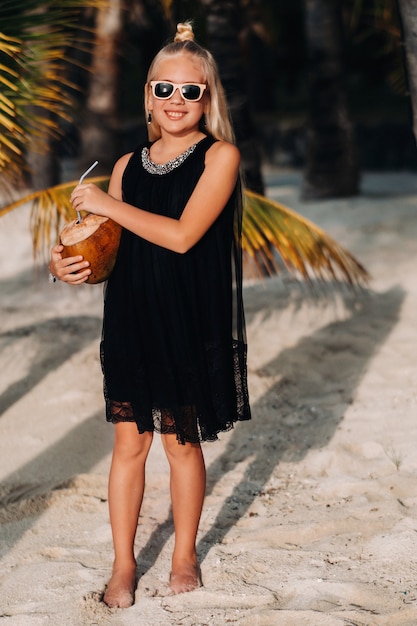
[{"x": 175, "y": 115}]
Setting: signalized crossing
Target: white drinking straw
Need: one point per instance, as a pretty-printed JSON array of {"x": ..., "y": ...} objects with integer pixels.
[{"x": 81, "y": 180}]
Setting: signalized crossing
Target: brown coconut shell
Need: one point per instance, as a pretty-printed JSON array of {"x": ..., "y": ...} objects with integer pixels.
[{"x": 96, "y": 238}]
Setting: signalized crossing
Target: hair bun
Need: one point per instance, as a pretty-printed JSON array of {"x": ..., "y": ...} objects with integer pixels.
[{"x": 184, "y": 32}]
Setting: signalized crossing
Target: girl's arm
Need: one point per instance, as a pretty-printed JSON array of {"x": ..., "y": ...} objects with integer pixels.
[{"x": 204, "y": 206}]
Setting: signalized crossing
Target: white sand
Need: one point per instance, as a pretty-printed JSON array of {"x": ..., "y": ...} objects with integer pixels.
[{"x": 311, "y": 509}]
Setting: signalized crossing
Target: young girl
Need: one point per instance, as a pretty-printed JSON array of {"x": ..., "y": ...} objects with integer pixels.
[{"x": 173, "y": 349}]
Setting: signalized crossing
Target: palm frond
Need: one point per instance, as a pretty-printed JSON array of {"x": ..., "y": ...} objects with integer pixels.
[
  {"x": 270, "y": 228},
  {"x": 35, "y": 38},
  {"x": 51, "y": 208}
]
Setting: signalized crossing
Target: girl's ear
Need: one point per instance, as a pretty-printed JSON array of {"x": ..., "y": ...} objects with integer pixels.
[{"x": 148, "y": 97}]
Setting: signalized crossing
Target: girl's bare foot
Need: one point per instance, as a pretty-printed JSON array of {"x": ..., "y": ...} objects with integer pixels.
[
  {"x": 185, "y": 578},
  {"x": 121, "y": 587}
]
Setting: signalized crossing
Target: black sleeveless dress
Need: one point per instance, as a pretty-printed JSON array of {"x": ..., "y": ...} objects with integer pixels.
[{"x": 173, "y": 349}]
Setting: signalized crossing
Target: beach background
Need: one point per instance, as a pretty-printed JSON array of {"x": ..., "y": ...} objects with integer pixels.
[{"x": 311, "y": 509}]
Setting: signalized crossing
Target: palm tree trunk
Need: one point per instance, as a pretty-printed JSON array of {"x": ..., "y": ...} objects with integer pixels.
[
  {"x": 43, "y": 164},
  {"x": 223, "y": 28},
  {"x": 331, "y": 156},
  {"x": 408, "y": 15},
  {"x": 100, "y": 133}
]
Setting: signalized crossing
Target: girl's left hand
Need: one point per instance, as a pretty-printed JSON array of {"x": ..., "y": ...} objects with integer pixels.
[{"x": 90, "y": 198}]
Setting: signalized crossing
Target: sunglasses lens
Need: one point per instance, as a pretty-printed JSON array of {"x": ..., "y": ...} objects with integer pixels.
[
  {"x": 163, "y": 90},
  {"x": 191, "y": 92}
]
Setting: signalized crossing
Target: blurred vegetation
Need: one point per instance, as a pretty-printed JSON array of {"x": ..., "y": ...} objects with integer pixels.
[
  {"x": 276, "y": 67},
  {"x": 38, "y": 42},
  {"x": 275, "y": 64},
  {"x": 375, "y": 80}
]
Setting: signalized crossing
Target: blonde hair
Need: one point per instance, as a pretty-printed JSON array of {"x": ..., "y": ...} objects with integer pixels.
[{"x": 217, "y": 119}]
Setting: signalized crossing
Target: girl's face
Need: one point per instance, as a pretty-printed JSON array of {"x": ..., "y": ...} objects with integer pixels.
[{"x": 177, "y": 114}]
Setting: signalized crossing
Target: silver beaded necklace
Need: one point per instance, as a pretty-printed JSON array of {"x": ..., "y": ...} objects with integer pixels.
[{"x": 164, "y": 168}]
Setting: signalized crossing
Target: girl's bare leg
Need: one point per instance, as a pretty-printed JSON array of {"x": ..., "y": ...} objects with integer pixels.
[
  {"x": 126, "y": 487},
  {"x": 188, "y": 484}
]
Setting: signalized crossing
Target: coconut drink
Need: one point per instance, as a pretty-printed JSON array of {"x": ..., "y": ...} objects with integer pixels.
[{"x": 96, "y": 238}]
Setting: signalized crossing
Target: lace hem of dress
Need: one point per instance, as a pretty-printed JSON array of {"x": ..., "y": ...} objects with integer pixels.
[
  {"x": 164, "y": 168},
  {"x": 186, "y": 422}
]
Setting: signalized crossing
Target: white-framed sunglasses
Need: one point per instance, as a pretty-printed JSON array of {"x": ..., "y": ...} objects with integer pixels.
[{"x": 164, "y": 89}]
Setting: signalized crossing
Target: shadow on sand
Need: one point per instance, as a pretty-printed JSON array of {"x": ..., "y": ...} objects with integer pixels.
[
  {"x": 53, "y": 341},
  {"x": 287, "y": 433}
]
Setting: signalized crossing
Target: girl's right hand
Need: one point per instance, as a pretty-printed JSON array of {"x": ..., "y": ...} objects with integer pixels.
[{"x": 68, "y": 269}]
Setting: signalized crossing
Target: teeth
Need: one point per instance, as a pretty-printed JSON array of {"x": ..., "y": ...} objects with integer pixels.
[{"x": 175, "y": 114}]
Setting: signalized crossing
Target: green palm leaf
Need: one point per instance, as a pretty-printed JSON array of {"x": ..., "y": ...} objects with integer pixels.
[{"x": 269, "y": 231}]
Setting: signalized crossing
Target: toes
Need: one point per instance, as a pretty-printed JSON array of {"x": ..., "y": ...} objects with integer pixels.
[
  {"x": 118, "y": 599},
  {"x": 119, "y": 592}
]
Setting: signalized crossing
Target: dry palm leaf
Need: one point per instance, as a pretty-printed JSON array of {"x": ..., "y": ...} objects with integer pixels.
[
  {"x": 51, "y": 208},
  {"x": 269, "y": 228},
  {"x": 37, "y": 39},
  {"x": 306, "y": 250}
]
